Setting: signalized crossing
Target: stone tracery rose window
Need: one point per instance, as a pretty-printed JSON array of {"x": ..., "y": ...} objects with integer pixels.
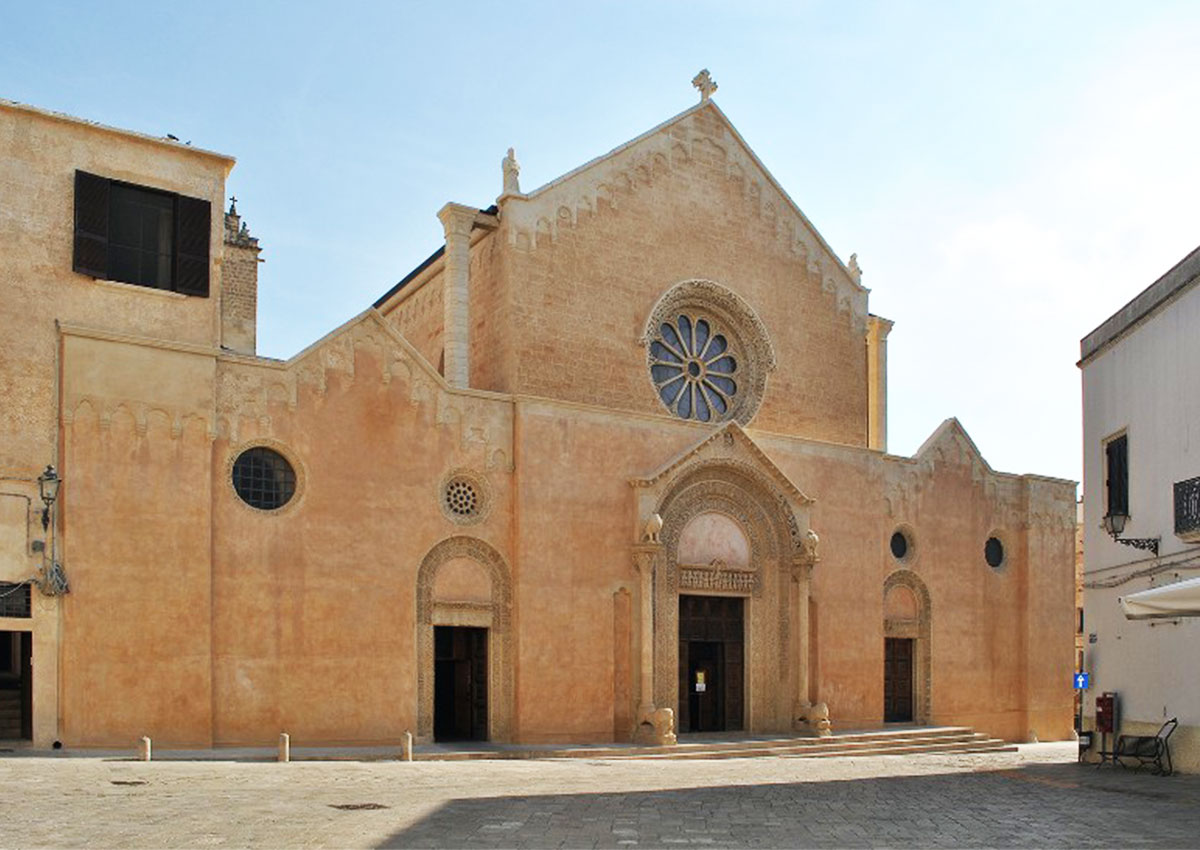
[
  {"x": 707, "y": 353},
  {"x": 693, "y": 368}
]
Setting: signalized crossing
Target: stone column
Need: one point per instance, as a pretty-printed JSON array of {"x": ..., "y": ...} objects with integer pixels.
[
  {"x": 655, "y": 726},
  {"x": 458, "y": 221},
  {"x": 644, "y": 556},
  {"x": 815, "y": 716},
  {"x": 801, "y": 573},
  {"x": 877, "y": 333}
]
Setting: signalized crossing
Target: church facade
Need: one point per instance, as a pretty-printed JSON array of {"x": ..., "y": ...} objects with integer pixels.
[{"x": 617, "y": 447}]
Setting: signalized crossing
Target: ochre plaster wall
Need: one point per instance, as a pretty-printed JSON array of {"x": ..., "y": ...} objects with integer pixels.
[
  {"x": 39, "y": 154},
  {"x": 199, "y": 620},
  {"x": 994, "y": 632},
  {"x": 314, "y": 605},
  {"x": 37, "y": 181}
]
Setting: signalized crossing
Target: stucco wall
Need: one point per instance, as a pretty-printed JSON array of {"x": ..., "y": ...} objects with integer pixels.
[
  {"x": 1146, "y": 384},
  {"x": 39, "y": 154}
]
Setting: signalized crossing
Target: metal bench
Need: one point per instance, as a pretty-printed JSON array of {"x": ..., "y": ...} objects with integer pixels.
[{"x": 1148, "y": 749}]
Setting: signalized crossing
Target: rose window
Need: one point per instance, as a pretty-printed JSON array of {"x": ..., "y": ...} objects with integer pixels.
[{"x": 693, "y": 369}]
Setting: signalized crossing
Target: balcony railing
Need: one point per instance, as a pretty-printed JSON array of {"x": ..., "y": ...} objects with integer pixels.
[{"x": 1187, "y": 509}]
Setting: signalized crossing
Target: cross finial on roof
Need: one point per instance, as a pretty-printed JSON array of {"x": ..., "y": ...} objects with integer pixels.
[
  {"x": 233, "y": 205},
  {"x": 704, "y": 82}
]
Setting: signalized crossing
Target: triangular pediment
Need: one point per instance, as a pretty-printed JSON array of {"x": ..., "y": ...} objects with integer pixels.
[
  {"x": 730, "y": 442},
  {"x": 702, "y": 131},
  {"x": 951, "y": 443}
]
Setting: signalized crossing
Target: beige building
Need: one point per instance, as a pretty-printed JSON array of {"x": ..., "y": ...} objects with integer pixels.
[{"x": 619, "y": 446}]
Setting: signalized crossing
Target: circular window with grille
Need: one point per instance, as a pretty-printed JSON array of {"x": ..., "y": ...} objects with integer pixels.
[
  {"x": 693, "y": 368},
  {"x": 263, "y": 478},
  {"x": 464, "y": 497},
  {"x": 461, "y": 498},
  {"x": 708, "y": 353}
]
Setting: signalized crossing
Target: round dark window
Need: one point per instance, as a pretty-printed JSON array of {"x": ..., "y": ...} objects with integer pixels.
[
  {"x": 899, "y": 545},
  {"x": 993, "y": 552},
  {"x": 263, "y": 478}
]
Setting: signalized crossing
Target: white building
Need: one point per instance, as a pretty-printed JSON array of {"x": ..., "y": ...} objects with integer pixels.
[{"x": 1141, "y": 463}]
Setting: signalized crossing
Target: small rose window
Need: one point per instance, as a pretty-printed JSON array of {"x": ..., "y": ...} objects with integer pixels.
[{"x": 693, "y": 369}]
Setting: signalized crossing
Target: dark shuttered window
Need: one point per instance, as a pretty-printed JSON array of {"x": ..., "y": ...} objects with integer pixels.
[
  {"x": 142, "y": 236},
  {"x": 1116, "y": 457}
]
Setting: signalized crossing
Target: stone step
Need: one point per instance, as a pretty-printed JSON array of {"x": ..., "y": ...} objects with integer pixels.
[
  {"x": 833, "y": 747},
  {"x": 870, "y": 742}
]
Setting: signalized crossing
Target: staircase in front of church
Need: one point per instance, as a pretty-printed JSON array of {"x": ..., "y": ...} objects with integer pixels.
[{"x": 892, "y": 741}]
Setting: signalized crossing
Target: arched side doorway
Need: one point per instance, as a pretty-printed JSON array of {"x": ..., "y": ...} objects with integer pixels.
[
  {"x": 907, "y": 691},
  {"x": 739, "y": 608},
  {"x": 464, "y": 642}
]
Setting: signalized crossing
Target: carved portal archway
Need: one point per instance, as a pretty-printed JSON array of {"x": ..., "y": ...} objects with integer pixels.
[
  {"x": 772, "y": 583},
  {"x": 492, "y": 611},
  {"x": 907, "y": 614}
]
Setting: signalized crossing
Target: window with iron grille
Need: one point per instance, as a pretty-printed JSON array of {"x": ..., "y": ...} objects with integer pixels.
[
  {"x": 1116, "y": 469},
  {"x": 263, "y": 478},
  {"x": 14, "y": 600},
  {"x": 1187, "y": 508},
  {"x": 135, "y": 234}
]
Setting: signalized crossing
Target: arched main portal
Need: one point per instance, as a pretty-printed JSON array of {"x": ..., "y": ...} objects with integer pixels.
[
  {"x": 741, "y": 606},
  {"x": 464, "y": 607}
]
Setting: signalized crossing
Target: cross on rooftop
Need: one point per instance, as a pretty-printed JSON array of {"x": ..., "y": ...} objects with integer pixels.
[{"x": 704, "y": 82}]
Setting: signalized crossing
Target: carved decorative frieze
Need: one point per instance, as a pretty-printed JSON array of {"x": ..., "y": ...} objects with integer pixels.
[
  {"x": 726, "y": 581},
  {"x": 702, "y": 140}
]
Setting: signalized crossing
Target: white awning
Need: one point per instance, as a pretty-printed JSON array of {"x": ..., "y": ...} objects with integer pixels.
[{"x": 1181, "y": 599}]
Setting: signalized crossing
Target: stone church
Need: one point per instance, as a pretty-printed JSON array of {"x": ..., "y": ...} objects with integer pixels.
[{"x": 609, "y": 465}]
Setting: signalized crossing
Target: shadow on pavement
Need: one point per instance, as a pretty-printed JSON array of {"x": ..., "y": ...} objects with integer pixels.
[{"x": 1037, "y": 805}]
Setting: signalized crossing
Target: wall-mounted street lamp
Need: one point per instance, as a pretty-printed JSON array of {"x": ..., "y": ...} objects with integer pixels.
[
  {"x": 48, "y": 483},
  {"x": 53, "y": 581},
  {"x": 1114, "y": 524}
]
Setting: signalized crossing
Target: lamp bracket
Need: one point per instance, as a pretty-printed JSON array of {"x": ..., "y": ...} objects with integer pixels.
[{"x": 1147, "y": 544}]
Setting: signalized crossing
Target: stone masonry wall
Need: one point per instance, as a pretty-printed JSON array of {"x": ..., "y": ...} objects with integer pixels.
[{"x": 685, "y": 203}]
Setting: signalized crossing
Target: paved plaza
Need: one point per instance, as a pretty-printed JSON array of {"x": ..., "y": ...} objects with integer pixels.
[{"x": 1035, "y": 797}]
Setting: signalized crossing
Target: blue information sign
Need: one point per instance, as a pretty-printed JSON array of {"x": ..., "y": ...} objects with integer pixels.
[{"x": 1082, "y": 681}]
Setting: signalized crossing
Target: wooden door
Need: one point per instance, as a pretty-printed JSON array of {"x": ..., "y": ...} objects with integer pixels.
[
  {"x": 460, "y": 684},
  {"x": 478, "y": 640},
  {"x": 897, "y": 680},
  {"x": 712, "y": 642}
]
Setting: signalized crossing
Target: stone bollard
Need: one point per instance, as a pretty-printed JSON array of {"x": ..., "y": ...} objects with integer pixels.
[
  {"x": 144, "y": 749},
  {"x": 285, "y": 747},
  {"x": 406, "y": 749}
]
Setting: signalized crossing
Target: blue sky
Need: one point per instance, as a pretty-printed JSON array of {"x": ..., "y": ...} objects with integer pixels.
[{"x": 1009, "y": 174}]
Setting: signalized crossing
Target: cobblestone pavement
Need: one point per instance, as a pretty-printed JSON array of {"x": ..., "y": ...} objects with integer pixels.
[{"x": 1035, "y": 797}]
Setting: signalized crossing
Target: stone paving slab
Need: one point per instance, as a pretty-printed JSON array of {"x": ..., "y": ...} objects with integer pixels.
[{"x": 1037, "y": 796}]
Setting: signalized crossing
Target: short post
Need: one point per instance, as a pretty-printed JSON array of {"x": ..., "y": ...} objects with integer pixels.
[
  {"x": 144, "y": 749},
  {"x": 406, "y": 749},
  {"x": 285, "y": 747}
]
